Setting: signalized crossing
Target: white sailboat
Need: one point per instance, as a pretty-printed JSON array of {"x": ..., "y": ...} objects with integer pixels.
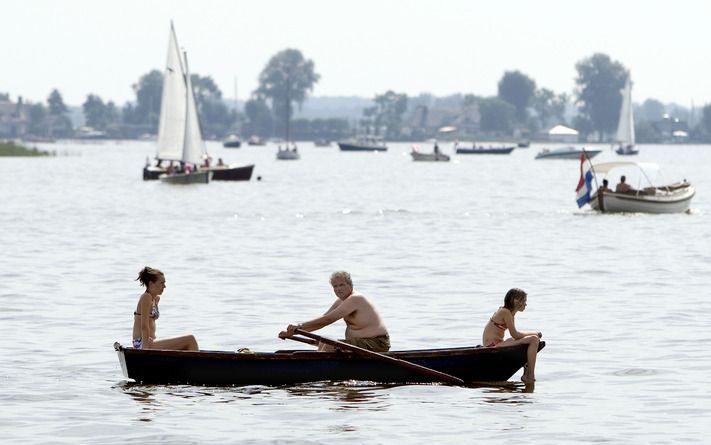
[
  {"x": 625, "y": 126},
  {"x": 179, "y": 136}
]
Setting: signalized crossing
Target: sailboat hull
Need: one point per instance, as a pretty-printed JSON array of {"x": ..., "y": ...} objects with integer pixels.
[
  {"x": 187, "y": 178},
  {"x": 241, "y": 173}
]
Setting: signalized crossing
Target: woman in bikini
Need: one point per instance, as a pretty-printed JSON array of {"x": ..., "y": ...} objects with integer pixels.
[
  {"x": 146, "y": 314},
  {"x": 502, "y": 320}
]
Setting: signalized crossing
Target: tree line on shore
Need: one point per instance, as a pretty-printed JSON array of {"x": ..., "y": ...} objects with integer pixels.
[{"x": 520, "y": 109}]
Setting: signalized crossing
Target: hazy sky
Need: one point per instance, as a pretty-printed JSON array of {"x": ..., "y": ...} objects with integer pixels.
[{"x": 360, "y": 47}]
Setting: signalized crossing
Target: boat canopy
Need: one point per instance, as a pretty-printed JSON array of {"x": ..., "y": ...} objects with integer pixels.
[{"x": 605, "y": 167}]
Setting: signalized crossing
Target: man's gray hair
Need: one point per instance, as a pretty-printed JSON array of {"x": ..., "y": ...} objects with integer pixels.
[{"x": 341, "y": 274}]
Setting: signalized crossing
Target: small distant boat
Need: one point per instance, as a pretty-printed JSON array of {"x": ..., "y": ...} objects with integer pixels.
[
  {"x": 481, "y": 150},
  {"x": 232, "y": 141},
  {"x": 363, "y": 143},
  {"x": 671, "y": 198},
  {"x": 288, "y": 367},
  {"x": 565, "y": 153},
  {"x": 288, "y": 154},
  {"x": 625, "y": 127},
  {"x": 435, "y": 156},
  {"x": 256, "y": 140},
  {"x": 524, "y": 144},
  {"x": 322, "y": 143}
]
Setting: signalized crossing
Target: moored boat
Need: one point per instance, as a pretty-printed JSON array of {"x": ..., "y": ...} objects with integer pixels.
[
  {"x": 288, "y": 154},
  {"x": 481, "y": 150},
  {"x": 566, "y": 153},
  {"x": 364, "y": 143},
  {"x": 625, "y": 126},
  {"x": 226, "y": 368},
  {"x": 435, "y": 156},
  {"x": 232, "y": 141}
]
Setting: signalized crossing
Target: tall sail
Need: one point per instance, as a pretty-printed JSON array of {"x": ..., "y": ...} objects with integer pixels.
[
  {"x": 171, "y": 129},
  {"x": 194, "y": 146},
  {"x": 625, "y": 127}
]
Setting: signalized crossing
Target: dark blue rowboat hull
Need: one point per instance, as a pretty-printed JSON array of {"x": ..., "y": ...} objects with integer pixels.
[
  {"x": 221, "y": 368},
  {"x": 344, "y": 146},
  {"x": 485, "y": 151}
]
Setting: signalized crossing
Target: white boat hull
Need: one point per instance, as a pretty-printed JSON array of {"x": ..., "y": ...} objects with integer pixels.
[
  {"x": 662, "y": 201},
  {"x": 566, "y": 153}
]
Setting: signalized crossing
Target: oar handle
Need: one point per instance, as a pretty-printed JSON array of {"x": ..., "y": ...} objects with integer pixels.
[{"x": 385, "y": 358}]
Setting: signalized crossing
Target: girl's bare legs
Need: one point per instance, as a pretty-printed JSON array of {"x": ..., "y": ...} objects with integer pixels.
[
  {"x": 182, "y": 343},
  {"x": 532, "y": 341}
]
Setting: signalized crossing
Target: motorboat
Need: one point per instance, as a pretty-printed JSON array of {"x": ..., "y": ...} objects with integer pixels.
[
  {"x": 482, "y": 150},
  {"x": 435, "y": 156},
  {"x": 569, "y": 152},
  {"x": 232, "y": 141},
  {"x": 646, "y": 197},
  {"x": 363, "y": 143}
]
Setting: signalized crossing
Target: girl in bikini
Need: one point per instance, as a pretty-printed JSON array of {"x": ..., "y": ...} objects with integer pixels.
[
  {"x": 502, "y": 320},
  {"x": 146, "y": 314}
]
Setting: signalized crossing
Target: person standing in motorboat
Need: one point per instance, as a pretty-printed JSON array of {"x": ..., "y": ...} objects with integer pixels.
[
  {"x": 364, "y": 327},
  {"x": 147, "y": 312},
  {"x": 503, "y": 319}
]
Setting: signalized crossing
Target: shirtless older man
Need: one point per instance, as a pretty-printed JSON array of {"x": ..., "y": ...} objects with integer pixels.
[{"x": 364, "y": 328}]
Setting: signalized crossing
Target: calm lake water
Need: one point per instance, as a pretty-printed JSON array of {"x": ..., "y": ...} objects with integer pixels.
[{"x": 622, "y": 300}]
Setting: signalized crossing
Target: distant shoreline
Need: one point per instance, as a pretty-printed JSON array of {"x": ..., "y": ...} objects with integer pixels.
[{"x": 10, "y": 148}]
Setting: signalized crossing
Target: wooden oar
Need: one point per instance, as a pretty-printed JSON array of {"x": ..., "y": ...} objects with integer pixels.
[{"x": 385, "y": 358}]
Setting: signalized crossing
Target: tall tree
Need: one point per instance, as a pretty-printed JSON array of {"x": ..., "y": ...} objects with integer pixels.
[
  {"x": 705, "y": 122},
  {"x": 56, "y": 103},
  {"x": 653, "y": 110},
  {"x": 95, "y": 112},
  {"x": 260, "y": 121},
  {"x": 148, "y": 90},
  {"x": 497, "y": 116},
  {"x": 549, "y": 107},
  {"x": 38, "y": 120},
  {"x": 59, "y": 122},
  {"x": 286, "y": 79},
  {"x": 599, "y": 84},
  {"x": 214, "y": 115},
  {"x": 517, "y": 89},
  {"x": 389, "y": 109}
]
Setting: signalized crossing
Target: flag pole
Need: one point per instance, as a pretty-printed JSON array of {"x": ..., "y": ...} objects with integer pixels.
[{"x": 592, "y": 169}]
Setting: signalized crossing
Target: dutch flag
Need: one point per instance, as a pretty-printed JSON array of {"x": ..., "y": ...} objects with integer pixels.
[{"x": 585, "y": 183}]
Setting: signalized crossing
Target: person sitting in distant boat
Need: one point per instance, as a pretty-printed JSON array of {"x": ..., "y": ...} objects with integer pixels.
[
  {"x": 436, "y": 148},
  {"x": 623, "y": 187},
  {"x": 364, "y": 328},
  {"x": 503, "y": 319},
  {"x": 220, "y": 163},
  {"x": 146, "y": 314}
]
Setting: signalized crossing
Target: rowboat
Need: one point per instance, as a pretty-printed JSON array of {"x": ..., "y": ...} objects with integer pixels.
[{"x": 286, "y": 367}]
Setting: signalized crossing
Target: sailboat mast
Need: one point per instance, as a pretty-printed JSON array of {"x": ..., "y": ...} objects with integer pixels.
[{"x": 288, "y": 106}]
